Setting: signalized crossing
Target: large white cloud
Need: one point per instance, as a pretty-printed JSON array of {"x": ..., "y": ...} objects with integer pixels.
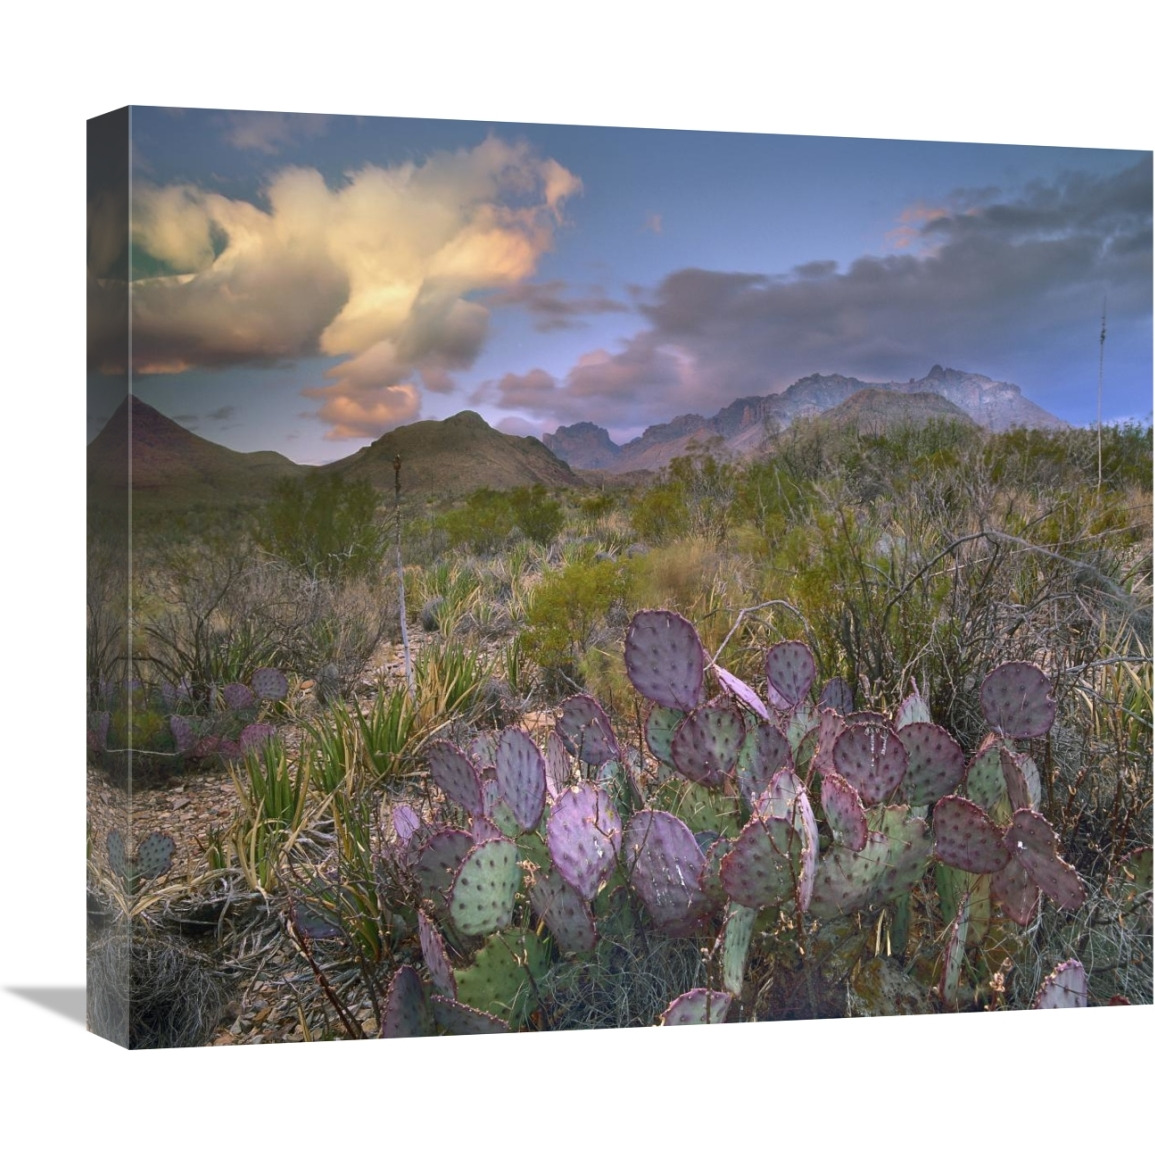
[{"x": 375, "y": 270}]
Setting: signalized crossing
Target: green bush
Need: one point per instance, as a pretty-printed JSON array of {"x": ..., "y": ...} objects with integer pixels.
[{"x": 326, "y": 525}]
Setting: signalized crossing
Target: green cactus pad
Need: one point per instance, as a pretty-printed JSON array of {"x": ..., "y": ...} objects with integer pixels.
[
  {"x": 1014, "y": 891},
  {"x": 564, "y": 911},
  {"x": 584, "y": 835},
  {"x": 456, "y": 1018},
  {"x": 1035, "y": 846},
  {"x": 1017, "y": 701},
  {"x": 736, "y": 936},
  {"x": 661, "y": 724},
  {"x": 439, "y": 860},
  {"x": 985, "y": 784},
  {"x": 435, "y": 956},
  {"x": 705, "y": 746},
  {"x": 790, "y": 673},
  {"x": 763, "y": 752},
  {"x": 520, "y": 771},
  {"x": 697, "y": 1008},
  {"x": 743, "y": 693},
  {"x": 154, "y": 855},
  {"x": 406, "y": 1011},
  {"x": 710, "y": 880},
  {"x": 935, "y": 763},
  {"x": 665, "y": 865},
  {"x": 116, "y": 856},
  {"x": 844, "y": 812},
  {"x": 586, "y": 731},
  {"x": 270, "y": 684},
  {"x": 1065, "y": 987},
  {"x": 763, "y": 863},
  {"x": 955, "y": 954},
  {"x": 484, "y": 888},
  {"x": 664, "y": 659},
  {"x": 966, "y": 838},
  {"x": 872, "y": 759},
  {"x": 502, "y": 980},
  {"x": 801, "y": 730},
  {"x": 452, "y": 770}
]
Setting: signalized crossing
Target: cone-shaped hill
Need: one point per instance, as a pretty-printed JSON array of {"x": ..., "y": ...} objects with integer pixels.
[
  {"x": 878, "y": 410},
  {"x": 454, "y": 457},
  {"x": 173, "y": 467}
]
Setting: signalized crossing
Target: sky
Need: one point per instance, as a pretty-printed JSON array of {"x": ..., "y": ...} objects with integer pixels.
[{"x": 305, "y": 283}]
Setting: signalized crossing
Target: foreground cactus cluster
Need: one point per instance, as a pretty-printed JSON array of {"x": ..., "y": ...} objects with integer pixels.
[{"x": 753, "y": 807}]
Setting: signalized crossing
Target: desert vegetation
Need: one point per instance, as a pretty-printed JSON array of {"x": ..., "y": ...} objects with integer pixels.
[{"x": 862, "y": 725}]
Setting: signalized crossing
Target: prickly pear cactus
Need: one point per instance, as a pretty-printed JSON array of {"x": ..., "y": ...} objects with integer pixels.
[
  {"x": 154, "y": 855},
  {"x": 790, "y": 673},
  {"x": 872, "y": 759},
  {"x": 844, "y": 812},
  {"x": 456, "y": 1018},
  {"x": 585, "y": 730},
  {"x": 665, "y": 864},
  {"x": 736, "y": 936},
  {"x": 435, "y": 955},
  {"x": 664, "y": 659},
  {"x": 1065, "y": 987},
  {"x": 1017, "y": 701},
  {"x": 584, "y": 835},
  {"x": 935, "y": 762},
  {"x": 270, "y": 684},
  {"x": 1036, "y": 847},
  {"x": 705, "y": 746},
  {"x": 520, "y": 771},
  {"x": 406, "y": 1012},
  {"x": 481, "y": 896},
  {"x": 742, "y": 692},
  {"x": 697, "y": 1008},
  {"x": 452, "y": 770},
  {"x": 564, "y": 911},
  {"x": 966, "y": 838}
]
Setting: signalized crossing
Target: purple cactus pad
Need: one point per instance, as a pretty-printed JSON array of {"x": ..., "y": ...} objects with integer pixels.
[
  {"x": 456, "y": 1018},
  {"x": 763, "y": 753},
  {"x": 966, "y": 838},
  {"x": 557, "y": 765},
  {"x": 743, "y": 693},
  {"x": 665, "y": 865},
  {"x": 1017, "y": 701},
  {"x": 270, "y": 684},
  {"x": 763, "y": 863},
  {"x": 438, "y": 861},
  {"x": 564, "y": 911},
  {"x": 1035, "y": 846},
  {"x": 406, "y": 1011},
  {"x": 453, "y": 771},
  {"x": 790, "y": 671},
  {"x": 837, "y": 696},
  {"x": 520, "y": 770},
  {"x": 1014, "y": 891},
  {"x": 585, "y": 729},
  {"x": 183, "y": 733},
  {"x": 697, "y": 1007},
  {"x": 664, "y": 659},
  {"x": 255, "y": 735},
  {"x": 844, "y": 812},
  {"x": 872, "y": 759},
  {"x": 1064, "y": 988},
  {"x": 237, "y": 696},
  {"x": 935, "y": 763},
  {"x": 436, "y": 958},
  {"x": 584, "y": 836}
]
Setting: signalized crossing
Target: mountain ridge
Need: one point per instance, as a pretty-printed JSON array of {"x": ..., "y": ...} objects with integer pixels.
[{"x": 745, "y": 424}]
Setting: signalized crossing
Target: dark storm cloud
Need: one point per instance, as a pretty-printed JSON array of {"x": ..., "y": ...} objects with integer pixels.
[{"x": 983, "y": 283}]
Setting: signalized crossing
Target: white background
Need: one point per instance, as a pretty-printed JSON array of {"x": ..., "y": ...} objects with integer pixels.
[{"x": 998, "y": 72}]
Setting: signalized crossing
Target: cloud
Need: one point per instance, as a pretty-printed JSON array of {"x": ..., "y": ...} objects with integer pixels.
[
  {"x": 376, "y": 269},
  {"x": 653, "y": 223},
  {"x": 999, "y": 284},
  {"x": 551, "y": 309},
  {"x": 271, "y": 132},
  {"x": 223, "y": 413}
]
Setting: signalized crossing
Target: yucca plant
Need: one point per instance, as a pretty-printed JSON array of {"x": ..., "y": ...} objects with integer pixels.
[
  {"x": 391, "y": 731},
  {"x": 450, "y": 680}
]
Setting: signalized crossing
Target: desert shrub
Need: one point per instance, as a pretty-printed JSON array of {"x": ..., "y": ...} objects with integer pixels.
[
  {"x": 694, "y": 495},
  {"x": 537, "y": 514},
  {"x": 324, "y": 524},
  {"x": 482, "y": 524},
  {"x": 564, "y": 611}
]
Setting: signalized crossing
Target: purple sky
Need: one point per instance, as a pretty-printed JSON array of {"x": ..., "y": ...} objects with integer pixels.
[{"x": 305, "y": 283}]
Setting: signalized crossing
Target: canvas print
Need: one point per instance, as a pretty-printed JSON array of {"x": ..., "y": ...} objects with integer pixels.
[{"x": 553, "y": 577}]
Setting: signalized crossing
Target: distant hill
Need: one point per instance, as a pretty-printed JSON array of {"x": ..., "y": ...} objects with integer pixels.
[
  {"x": 172, "y": 466},
  {"x": 742, "y": 427},
  {"x": 454, "y": 457}
]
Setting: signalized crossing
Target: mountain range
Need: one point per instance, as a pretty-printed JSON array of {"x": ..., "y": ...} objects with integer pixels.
[
  {"x": 743, "y": 427},
  {"x": 450, "y": 458}
]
